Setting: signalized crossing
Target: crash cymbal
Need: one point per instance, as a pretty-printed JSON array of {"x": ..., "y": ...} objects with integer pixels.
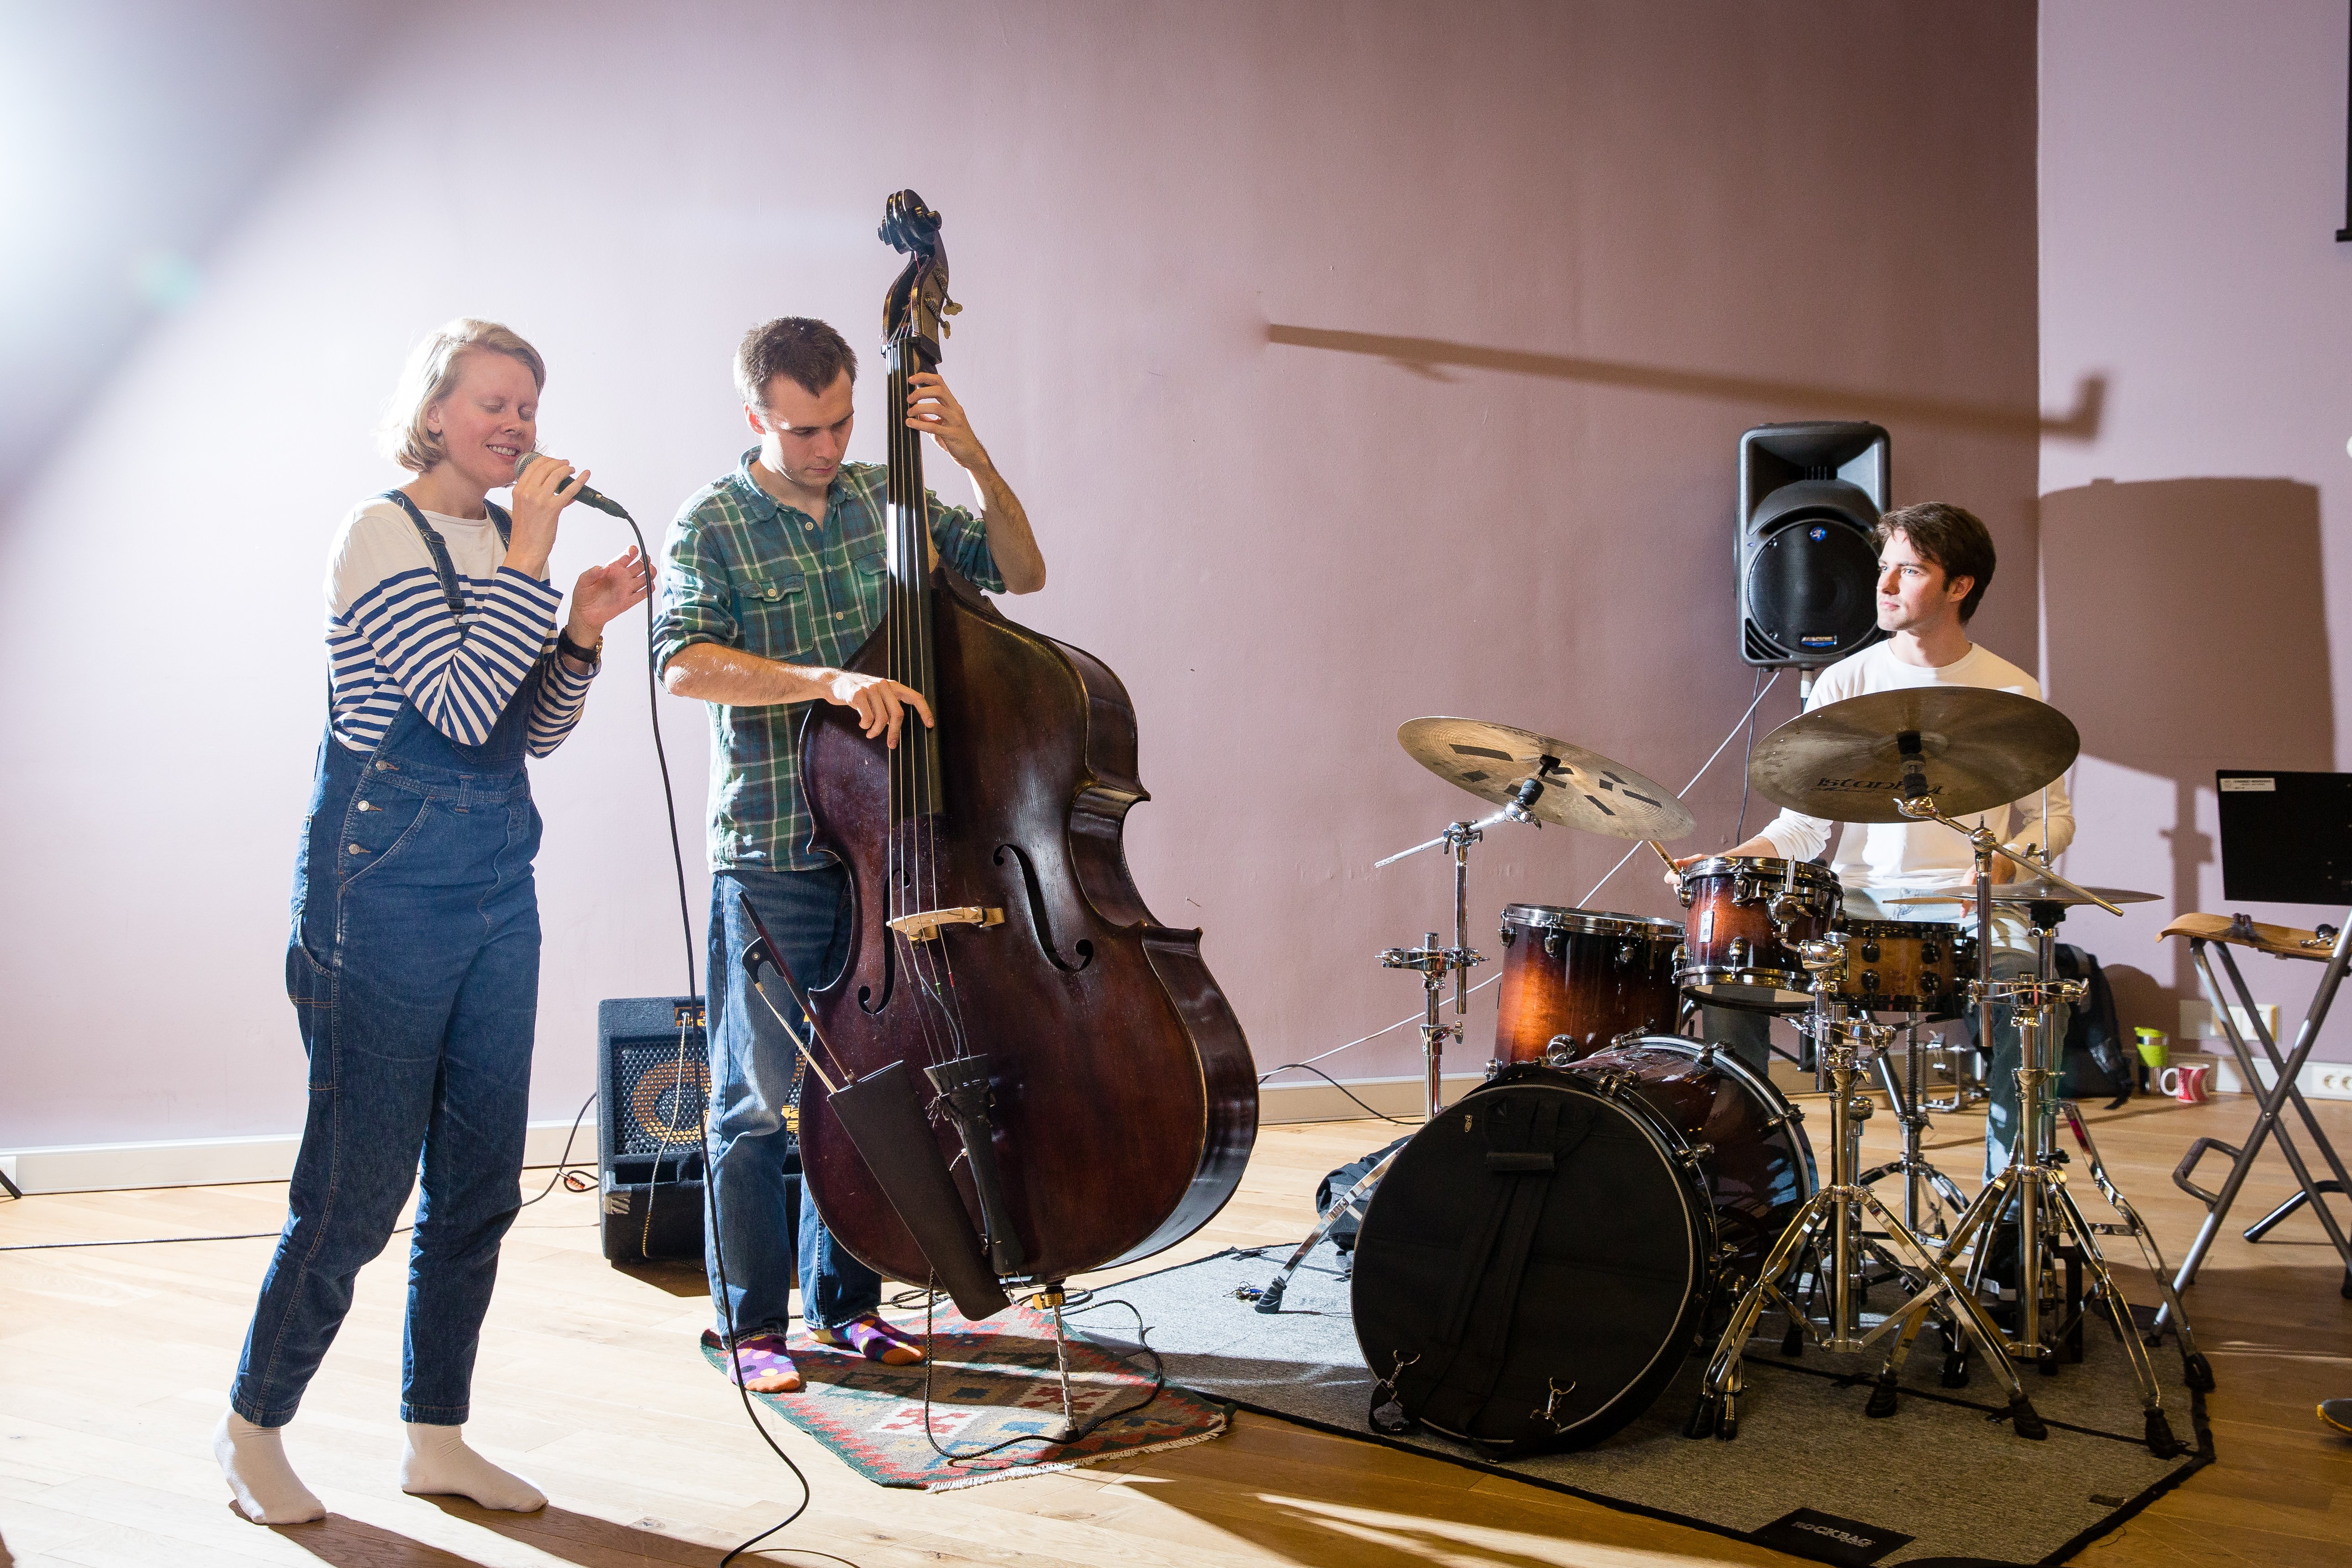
[
  {"x": 1581, "y": 789},
  {"x": 1978, "y": 748},
  {"x": 2028, "y": 893}
]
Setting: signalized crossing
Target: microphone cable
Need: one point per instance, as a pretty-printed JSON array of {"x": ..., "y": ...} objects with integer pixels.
[{"x": 694, "y": 997}]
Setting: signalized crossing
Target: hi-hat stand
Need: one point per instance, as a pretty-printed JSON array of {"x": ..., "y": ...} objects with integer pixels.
[
  {"x": 1831, "y": 1222},
  {"x": 1926, "y": 1191}
]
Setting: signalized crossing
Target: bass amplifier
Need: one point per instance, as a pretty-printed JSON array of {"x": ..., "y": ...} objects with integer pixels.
[{"x": 653, "y": 1074}]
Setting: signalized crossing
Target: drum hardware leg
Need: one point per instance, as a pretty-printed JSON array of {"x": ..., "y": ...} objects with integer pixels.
[
  {"x": 2038, "y": 1177},
  {"x": 1053, "y": 1297},
  {"x": 1835, "y": 1212},
  {"x": 1269, "y": 1300},
  {"x": 2103, "y": 1285},
  {"x": 2195, "y": 1369}
]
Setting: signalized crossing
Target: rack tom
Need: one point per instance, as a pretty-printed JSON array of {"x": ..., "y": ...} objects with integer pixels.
[
  {"x": 1582, "y": 977},
  {"x": 1906, "y": 966},
  {"x": 1733, "y": 954}
]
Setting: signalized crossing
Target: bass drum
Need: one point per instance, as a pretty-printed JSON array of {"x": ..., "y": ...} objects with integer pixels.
[{"x": 1535, "y": 1266}]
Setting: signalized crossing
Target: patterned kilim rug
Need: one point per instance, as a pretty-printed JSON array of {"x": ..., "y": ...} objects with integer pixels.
[
  {"x": 993, "y": 1381},
  {"x": 1810, "y": 1474}
]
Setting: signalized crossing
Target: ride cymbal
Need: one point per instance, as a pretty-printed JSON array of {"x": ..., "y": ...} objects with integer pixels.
[
  {"x": 1579, "y": 788},
  {"x": 1977, "y": 749}
]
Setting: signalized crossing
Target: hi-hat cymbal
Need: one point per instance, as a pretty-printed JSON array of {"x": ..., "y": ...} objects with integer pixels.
[
  {"x": 1581, "y": 789},
  {"x": 1978, "y": 748},
  {"x": 2028, "y": 893}
]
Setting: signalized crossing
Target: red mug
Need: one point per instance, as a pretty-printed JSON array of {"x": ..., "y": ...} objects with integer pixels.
[{"x": 2186, "y": 1082}]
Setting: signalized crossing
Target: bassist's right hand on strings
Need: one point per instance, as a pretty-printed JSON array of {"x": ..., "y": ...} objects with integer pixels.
[{"x": 880, "y": 704}]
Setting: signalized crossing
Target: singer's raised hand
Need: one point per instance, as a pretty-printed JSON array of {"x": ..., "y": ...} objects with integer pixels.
[
  {"x": 546, "y": 487},
  {"x": 602, "y": 592}
]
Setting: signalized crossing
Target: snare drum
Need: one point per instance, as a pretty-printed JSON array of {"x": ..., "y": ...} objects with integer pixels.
[
  {"x": 1733, "y": 956},
  {"x": 1585, "y": 974},
  {"x": 1906, "y": 966}
]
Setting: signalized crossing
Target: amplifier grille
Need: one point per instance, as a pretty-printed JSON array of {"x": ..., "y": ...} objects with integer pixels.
[{"x": 657, "y": 1100}]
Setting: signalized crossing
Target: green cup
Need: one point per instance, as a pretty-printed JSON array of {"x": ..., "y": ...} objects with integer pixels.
[{"x": 2153, "y": 1049}]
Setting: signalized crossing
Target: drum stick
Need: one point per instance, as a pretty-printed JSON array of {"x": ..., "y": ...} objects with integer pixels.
[{"x": 1663, "y": 856}]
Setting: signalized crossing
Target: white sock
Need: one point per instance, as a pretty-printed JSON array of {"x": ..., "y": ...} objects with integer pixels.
[
  {"x": 437, "y": 1461},
  {"x": 253, "y": 1459}
]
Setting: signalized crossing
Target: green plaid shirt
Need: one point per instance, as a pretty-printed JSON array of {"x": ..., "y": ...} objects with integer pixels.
[{"x": 743, "y": 571}]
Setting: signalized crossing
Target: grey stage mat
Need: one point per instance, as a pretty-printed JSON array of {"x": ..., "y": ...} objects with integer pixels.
[{"x": 1939, "y": 1471}]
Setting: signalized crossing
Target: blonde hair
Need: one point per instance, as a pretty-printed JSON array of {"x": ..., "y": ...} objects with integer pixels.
[{"x": 431, "y": 374}]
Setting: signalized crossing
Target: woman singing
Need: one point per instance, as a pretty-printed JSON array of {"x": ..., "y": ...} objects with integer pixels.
[{"x": 414, "y": 962}]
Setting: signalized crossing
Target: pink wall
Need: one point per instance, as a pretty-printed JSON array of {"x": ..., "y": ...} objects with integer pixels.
[
  {"x": 2192, "y": 180},
  {"x": 1709, "y": 215}
]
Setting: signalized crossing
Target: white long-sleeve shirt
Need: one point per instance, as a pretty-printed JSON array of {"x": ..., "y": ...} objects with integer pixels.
[
  {"x": 1920, "y": 856},
  {"x": 389, "y": 634}
]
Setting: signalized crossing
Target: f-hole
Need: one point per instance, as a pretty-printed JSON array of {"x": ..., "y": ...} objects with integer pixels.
[
  {"x": 865, "y": 1003},
  {"x": 1037, "y": 921}
]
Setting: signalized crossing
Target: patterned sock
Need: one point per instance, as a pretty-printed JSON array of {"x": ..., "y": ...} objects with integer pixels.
[
  {"x": 872, "y": 1338},
  {"x": 438, "y": 1461},
  {"x": 253, "y": 1459},
  {"x": 762, "y": 1362}
]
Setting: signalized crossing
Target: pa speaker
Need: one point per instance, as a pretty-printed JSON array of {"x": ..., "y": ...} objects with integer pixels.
[
  {"x": 1807, "y": 573},
  {"x": 653, "y": 1075}
]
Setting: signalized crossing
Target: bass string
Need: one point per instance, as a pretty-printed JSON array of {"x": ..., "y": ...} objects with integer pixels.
[
  {"x": 904, "y": 772},
  {"x": 939, "y": 969},
  {"x": 910, "y": 879}
]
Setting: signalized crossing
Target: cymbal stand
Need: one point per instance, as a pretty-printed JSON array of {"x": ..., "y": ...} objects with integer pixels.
[
  {"x": 2048, "y": 1216},
  {"x": 1435, "y": 964},
  {"x": 1830, "y": 1223},
  {"x": 1921, "y": 1179},
  {"x": 2034, "y": 1171},
  {"x": 2197, "y": 1371}
]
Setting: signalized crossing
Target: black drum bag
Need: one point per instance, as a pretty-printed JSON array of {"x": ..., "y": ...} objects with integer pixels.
[{"x": 1530, "y": 1272}]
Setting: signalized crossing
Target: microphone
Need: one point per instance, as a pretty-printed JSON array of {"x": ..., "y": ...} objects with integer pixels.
[{"x": 581, "y": 492}]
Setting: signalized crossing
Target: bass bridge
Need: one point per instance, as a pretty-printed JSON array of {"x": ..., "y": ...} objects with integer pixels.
[{"x": 924, "y": 925}]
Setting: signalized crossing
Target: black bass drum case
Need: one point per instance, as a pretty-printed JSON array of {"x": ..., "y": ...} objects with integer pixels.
[{"x": 1534, "y": 1267}]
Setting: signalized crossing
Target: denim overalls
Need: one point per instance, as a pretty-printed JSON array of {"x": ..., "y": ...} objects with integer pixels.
[{"x": 414, "y": 971}]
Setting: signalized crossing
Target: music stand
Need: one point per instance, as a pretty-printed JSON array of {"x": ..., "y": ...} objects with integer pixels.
[{"x": 2286, "y": 838}]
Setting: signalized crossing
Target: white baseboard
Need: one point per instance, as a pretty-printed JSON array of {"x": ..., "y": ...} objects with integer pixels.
[
  {"x": 214, "y": 1162},
  {"x": 211, "y": 1162},
  {"x": 2318, "y": 1080},
  {"x": 1312, "y": 1099}
]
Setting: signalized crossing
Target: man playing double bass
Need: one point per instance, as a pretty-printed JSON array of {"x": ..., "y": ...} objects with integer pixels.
[{"x": 773, "y": 576}]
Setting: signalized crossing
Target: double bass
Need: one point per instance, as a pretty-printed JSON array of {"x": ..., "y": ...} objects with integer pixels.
[{"x": 1084, "y": 1084}]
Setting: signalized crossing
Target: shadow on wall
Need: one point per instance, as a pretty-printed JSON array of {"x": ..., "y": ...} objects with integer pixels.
[
  {"x": 1427, "y": 357},
  {"x": 2186, "y": 631}
]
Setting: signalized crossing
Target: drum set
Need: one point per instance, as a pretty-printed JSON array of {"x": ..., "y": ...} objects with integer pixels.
[{"x": 1534, "y": 1265}]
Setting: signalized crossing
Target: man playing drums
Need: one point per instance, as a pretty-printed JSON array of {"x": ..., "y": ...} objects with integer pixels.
[{"x": 1935, "y": 563}]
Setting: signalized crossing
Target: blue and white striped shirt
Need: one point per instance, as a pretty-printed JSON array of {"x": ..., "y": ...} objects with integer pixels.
[{"x": 389, "y": 634}]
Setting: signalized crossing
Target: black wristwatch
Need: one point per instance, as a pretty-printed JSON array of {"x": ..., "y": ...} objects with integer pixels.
[{"x": 564, "y": 644}]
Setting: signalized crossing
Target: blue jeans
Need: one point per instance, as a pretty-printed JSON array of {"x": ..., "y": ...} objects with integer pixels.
[
  {"x": 752, "y": 1156},
  {"x": 413, "y": 970}
]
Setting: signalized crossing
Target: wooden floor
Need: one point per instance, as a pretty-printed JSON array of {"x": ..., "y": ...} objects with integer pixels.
[{"x": 114, "y": 1364}]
